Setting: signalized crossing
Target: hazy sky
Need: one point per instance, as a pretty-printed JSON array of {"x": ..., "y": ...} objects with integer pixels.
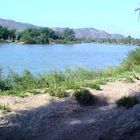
[{"x": 114, "y": 16}]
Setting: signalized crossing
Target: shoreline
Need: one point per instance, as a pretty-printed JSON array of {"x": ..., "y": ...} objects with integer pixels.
[{"x": 71, "y": 43}]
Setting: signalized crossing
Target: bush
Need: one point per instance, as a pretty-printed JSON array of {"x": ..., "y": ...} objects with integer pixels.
[
  {"x": 84, "y": 97},
  {"x": 127, "y": 101},
  {"x": 4, "y": 85}
]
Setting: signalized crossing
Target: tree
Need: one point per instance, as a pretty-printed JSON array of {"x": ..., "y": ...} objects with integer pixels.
[
  {"x": 4, "y": 33},
  {"x": 41, "y": 35},
  {"x": 12, "y": 35},
  {"x": 68, "y": 34},
  {"x": 128, "y": 40}
]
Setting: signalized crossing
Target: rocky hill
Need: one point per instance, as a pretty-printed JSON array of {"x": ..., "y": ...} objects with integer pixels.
[
  {"x": 80, "y": 33},
  {"x": 94, "y": 33},
  {"x": 91, "y": 33},
  {"x": 11, "y": 24}
]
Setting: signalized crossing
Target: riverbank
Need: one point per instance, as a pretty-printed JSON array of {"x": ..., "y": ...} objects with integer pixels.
[
  {"x": 78, "y": 41},
  {"x": 43, "y": 117},
  {"x": 45, "y": 107},
  {"x": 5, "y": 41},
  {"x": 56, "y": 83}
]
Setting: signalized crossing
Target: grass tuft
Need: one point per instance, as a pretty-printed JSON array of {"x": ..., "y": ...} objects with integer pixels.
[
  {"x": 93, "y": 85},
  {"x": 127, "y": 102},
  {"x": 5, "y": 108}
]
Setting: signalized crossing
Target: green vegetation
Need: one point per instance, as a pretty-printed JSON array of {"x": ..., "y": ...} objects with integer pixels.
[
  {"x": 45, "y": 36},
  {"x": 5, "y": 108},
  {"x": 56, "y": 83},
  {"x": 129, "y": 79},
  {"x": 37, "y": 36},
  {"x": 134, "y": 57},
  {"x": 84, "y": 97},
  {"x": 56, "y": 90},
  {"x": 6, "y": 34},
  {"x": 68, "y": 35},
  {"x": 127, "y": 102},
  {"x": 93, "y": 85},
  {"x": 127, "y": 40}
]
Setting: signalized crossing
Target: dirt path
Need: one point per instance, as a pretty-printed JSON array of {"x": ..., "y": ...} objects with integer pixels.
[{"x": 42, "y": 117}]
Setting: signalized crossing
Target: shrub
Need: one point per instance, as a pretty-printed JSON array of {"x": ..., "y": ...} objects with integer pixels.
[
  {"x": 4, "y": 85},
  {"x": 84, "y": 97},
  {"x": 127, "y": 101}
]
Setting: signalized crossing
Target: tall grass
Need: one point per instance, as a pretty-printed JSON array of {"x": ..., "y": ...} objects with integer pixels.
[
  {"x": 58, "y": 82},
  {"x": 134, "y": 57}
]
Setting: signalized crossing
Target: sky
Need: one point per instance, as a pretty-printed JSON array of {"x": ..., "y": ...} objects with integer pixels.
[{"x": 113, "y": 16}]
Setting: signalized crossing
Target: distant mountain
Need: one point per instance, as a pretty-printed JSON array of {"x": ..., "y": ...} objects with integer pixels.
[
  {"x": 91, "y": 33},
  {"x": 11, "y": 24},
  {"x": 94, "y": 33},
  {"x": 79, "y": 33}
]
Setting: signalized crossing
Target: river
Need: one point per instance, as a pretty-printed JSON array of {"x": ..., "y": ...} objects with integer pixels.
[{"x": 42, "y": 58}]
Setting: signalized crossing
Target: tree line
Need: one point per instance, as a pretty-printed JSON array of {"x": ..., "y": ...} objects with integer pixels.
[
  {"x": 6, "y": 34},
  {"x": 47, "y": 35},
  {"x": 126, "y": 40},
  {"x": 37, "y": 36}
]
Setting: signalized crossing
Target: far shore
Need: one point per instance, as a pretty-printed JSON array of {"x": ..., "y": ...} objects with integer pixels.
[{"x": 53, "y": 43}]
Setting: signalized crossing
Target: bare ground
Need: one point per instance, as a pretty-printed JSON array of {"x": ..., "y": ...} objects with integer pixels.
[{"x": 42, "y": 117}]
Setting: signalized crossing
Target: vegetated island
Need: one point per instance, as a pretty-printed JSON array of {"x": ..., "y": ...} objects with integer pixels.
[
  {"x": 46, "y": 35},
  {"x": 75, "y": 104}
]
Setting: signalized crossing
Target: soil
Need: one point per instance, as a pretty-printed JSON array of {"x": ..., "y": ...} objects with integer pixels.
[{"x": 42, "y": 117}]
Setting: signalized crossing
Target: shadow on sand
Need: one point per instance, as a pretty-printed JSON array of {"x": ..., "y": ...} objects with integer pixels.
[{"x": 66, "y": 120}]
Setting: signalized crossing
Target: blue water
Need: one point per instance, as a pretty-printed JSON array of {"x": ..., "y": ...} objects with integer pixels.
[{"x": 42, "y": 58}]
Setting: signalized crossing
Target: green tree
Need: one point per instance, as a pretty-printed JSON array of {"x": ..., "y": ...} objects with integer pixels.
[
  {"x": 68, "y": 34},
  {"x": 41, "y": 35},
  {"x": 129, "y": 40},
  {"x": 29, "y": 35},
  {"x": 12, "y": 35},
  {"x": 4, "y": 33}
]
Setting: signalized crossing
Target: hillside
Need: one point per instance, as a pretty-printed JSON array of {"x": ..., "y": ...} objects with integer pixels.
[
  {"x": 91, "y": 33},
  {"x": 94, "y": 33},
  {"x": 79, "y": 33},
  {"x": 11, "y": 24}
]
